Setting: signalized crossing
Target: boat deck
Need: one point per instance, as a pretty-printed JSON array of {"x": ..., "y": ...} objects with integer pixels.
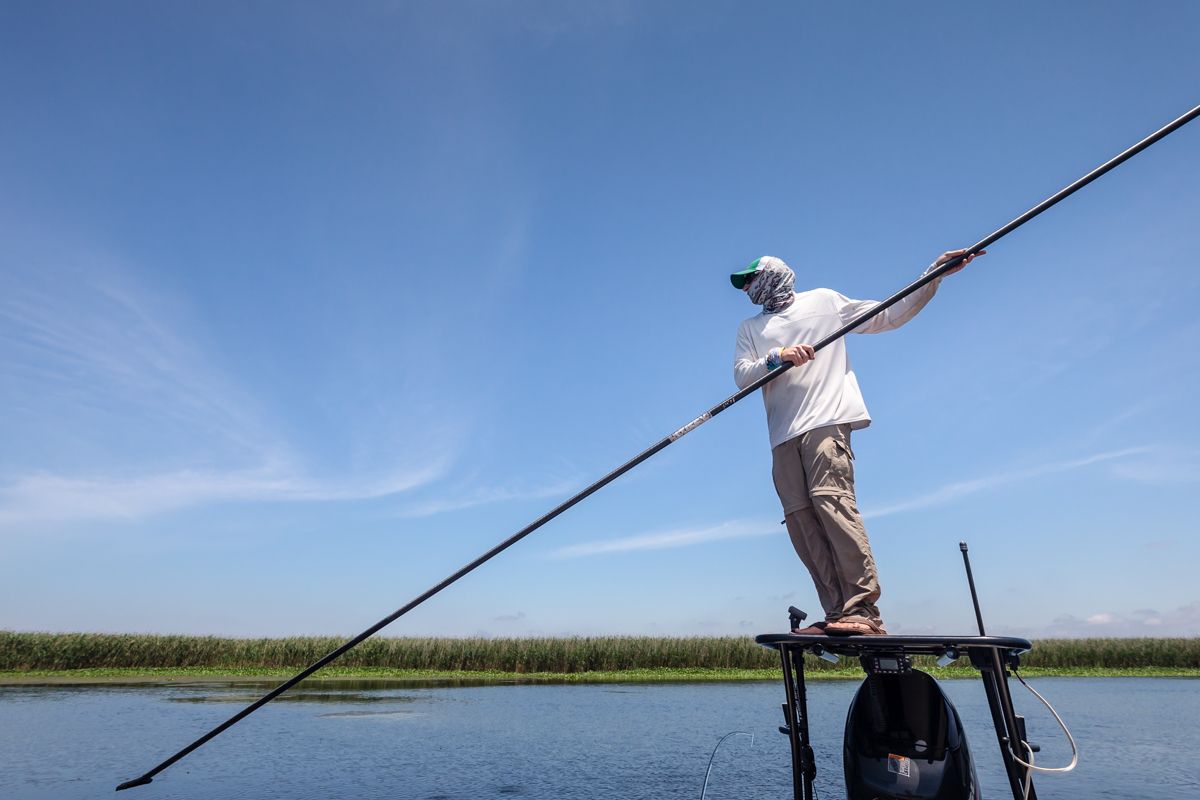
[{"x": 908, "y": 645}]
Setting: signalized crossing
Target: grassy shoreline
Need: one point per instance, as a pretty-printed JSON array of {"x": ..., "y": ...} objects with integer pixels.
[
  {"x": 93, "y": 657},
  {"x": 482, "y": 677}
]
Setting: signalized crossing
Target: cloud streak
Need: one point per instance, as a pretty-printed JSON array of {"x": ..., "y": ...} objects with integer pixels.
[
  {"x": 1170, "y": 466},
  {"x": 459, "y": 501},
  {"x": 85, "y": 338},
  {"x": 735, "y": 529},
  {"x": 122, "y": 376},
  {"x": 956, "y": 491},
  {"x": 52, "y": 498},
  {"x": 1182, "y": 621},
  {"x": 684, "y": 537}
]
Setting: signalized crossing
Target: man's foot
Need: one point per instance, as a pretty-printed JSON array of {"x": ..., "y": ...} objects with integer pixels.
[
  {"x": 816, "y": 629},
  {"x": 855, "y": 626}
]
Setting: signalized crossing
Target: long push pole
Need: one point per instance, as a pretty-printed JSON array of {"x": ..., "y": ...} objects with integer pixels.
[{"x": 668, "y": 440}]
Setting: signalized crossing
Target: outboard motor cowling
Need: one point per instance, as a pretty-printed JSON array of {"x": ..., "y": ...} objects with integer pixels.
[{"x": 904, "y": 739}]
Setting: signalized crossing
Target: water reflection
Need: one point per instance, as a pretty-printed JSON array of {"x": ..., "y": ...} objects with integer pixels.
[
  {"x": 356, "y": 714},
  {"x": 306, "y": 696}
]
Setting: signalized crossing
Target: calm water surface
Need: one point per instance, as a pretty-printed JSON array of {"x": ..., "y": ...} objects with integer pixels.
[{"x": 1140, "y": 738}]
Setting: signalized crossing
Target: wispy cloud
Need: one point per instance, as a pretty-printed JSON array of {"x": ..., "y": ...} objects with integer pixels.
[
  {"x": 1122, "y": 419},
  {"x": 124, "y": 374},
  {"x": 956, "y": 491},
  {"x": 1168, "y": 466},
  {"x": 52, "y": 498},
  {"x": 1182, "y": 621},
  {"x": 662, "y": 540},
  {"x": 688, "y": 537},
  {"x": 95, "y": 340},
  {"x": 458, "y": 501}
]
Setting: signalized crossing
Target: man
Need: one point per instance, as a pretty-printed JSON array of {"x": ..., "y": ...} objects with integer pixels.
[{"x": 810, "y": 413}]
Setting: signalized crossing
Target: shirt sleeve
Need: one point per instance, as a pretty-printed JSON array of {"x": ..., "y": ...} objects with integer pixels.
[
  {"x": 748, "y": 365},
  {"x": 890, "y": 318}
]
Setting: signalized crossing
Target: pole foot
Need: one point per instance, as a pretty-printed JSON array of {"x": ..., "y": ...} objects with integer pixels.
[{"x": 142, "y": 781}]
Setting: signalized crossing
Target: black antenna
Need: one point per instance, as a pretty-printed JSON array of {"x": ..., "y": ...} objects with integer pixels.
[
  {"x": 1010, "y": 726},
  {"x": 971, "y": 582}
]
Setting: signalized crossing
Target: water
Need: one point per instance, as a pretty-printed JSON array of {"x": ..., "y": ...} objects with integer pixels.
[{"x": 1139, "y": 739}]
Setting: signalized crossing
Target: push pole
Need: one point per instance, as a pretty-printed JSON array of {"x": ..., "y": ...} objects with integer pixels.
[{"x": 666, "y": 441}]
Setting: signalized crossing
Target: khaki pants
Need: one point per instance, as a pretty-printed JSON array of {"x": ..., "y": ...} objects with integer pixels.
[{"x": 814, "y": 476}]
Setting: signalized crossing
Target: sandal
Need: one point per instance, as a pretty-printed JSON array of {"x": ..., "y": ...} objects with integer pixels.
[
  {"x": 855, "y": 626},
  {"x": 816, "y": 629}
]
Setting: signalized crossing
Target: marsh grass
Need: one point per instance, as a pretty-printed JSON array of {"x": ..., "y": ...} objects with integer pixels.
[
  {"x": 41, "y": 651},
  {"x": 47, "y": 652}
]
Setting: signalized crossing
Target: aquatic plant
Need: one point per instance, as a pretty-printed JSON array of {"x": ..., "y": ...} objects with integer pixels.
[{"x": 64, "y": 651}]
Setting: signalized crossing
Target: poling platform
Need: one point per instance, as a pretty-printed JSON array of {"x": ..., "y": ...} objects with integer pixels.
[{"x": 903, "y": 736}]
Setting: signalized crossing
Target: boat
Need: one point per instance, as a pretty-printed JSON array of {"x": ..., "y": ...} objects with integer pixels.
[{"x": 904, "y": 739}]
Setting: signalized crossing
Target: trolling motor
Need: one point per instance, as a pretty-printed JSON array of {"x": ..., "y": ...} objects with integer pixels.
[{"x": 903, "y": 738}]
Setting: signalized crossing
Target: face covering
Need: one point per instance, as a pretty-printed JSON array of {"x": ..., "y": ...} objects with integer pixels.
[{"x": 772, "y": 285}]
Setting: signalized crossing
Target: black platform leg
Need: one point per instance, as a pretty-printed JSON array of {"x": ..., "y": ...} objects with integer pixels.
[
  {"x": 995, "y": 686},
  {"x": 795, "y": 711}
]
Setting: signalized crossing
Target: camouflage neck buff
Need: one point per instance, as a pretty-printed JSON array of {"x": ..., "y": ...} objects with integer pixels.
[{"x": 772, "y": 285}]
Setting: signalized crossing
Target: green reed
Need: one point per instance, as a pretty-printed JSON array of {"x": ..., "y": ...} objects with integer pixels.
[{"x": 68, "y": 651}]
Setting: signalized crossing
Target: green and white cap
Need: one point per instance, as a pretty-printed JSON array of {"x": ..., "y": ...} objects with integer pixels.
[{"x": 738, "y": 279}]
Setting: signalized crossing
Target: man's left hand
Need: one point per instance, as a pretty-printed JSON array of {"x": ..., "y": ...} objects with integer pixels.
[
  {"x": 950, "y": 254},
  {"x": 798, "y": 354}
]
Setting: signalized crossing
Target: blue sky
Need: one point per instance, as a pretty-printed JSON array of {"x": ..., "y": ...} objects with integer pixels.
[{"x": 304, "y": 306}]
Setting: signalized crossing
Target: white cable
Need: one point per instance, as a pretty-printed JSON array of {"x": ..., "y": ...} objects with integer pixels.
[
  {"x": 1029, "y": 764},
  {"x": 1028, "y": 782},
  {"x": 708, "y": 771}
]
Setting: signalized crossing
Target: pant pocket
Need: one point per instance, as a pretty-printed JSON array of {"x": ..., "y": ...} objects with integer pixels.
[{"x": 833, "y": 468}]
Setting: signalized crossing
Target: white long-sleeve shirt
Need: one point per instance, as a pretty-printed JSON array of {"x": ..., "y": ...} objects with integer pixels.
[{"x": 824, "y": 391}]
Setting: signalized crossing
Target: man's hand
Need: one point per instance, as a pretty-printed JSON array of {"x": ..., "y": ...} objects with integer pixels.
[
  {"x": 949, "y": 254},
  {"x": 798, "y": 354}
]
